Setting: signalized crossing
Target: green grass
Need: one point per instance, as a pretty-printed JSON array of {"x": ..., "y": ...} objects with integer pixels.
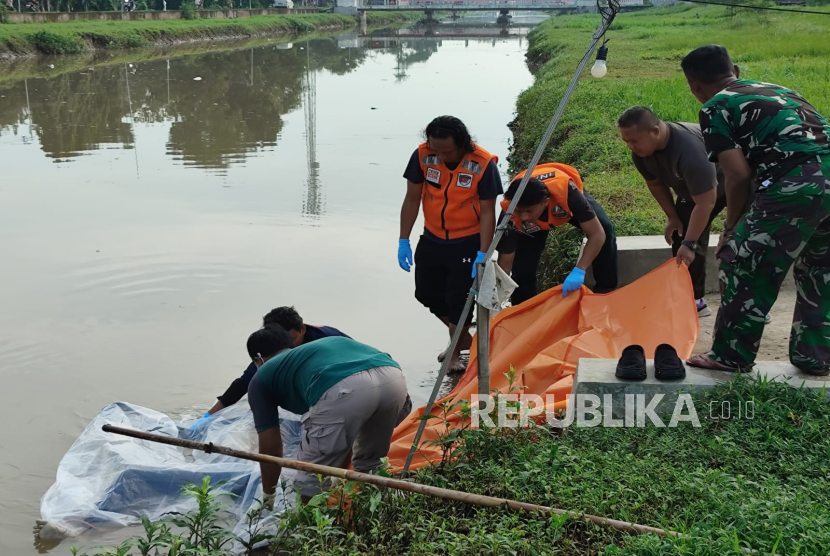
[
  {"x": 49, "y": 67},
  {"x": 80, "y": 36},
  {"x": 730, "y": 485},
  {"x": 644, "y": 68},
  {"x": 374, "y": 19}
]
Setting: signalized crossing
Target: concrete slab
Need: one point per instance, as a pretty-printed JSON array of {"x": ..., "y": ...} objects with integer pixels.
[
  {"x": 596, "y": 376},
  {"x": 639, "y": 255}
]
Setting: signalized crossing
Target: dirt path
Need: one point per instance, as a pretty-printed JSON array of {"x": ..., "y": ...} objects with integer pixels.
[{"x": 776, "y": 340}]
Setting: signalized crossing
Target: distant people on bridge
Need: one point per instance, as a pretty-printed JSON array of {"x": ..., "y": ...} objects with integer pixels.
[
  {"x": 457, "y": 183},
  {"x": 768, "y": 138},
  {"x": 554, "y": 196},
  {"x": 671, "y": 157}
]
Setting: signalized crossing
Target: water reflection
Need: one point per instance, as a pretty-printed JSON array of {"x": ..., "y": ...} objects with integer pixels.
[
  {"x": 313, "y": 204},
  {"x": 221, "y": 108}
]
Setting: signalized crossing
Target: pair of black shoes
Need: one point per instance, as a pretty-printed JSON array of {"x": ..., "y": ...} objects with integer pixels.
[{"x": 667, "y": 365}]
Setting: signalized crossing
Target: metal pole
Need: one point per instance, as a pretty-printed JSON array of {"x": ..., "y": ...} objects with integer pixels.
[
  {"x": 607, "y": 18},
  {"x": 482, "y": 347},
  {"x": 388, "y": 482}
]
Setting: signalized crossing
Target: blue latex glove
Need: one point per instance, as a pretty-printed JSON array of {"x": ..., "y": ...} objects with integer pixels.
[
  {"x": 573, "y": 282},
  {"x": 479, "y": 259},
  {"x": 404, "y": 254},
  {"x": 199, "y": 421}
]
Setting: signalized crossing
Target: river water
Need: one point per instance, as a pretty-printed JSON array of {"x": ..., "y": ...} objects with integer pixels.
[{"x": 151, "y": 212}]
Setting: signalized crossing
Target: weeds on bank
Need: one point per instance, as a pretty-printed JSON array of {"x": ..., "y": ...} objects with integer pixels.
[
  {"x": 732, "y": 484},
  {"x": 759, "y": 483},
  {"x": 80, "y": 36}
]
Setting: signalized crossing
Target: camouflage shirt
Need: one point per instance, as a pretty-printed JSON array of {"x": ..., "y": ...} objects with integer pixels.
[{"x": 774, "y": 127}]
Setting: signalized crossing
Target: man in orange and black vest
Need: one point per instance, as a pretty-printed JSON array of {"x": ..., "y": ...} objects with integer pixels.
[
  {"x": 554, "y": 196},
  {"x": 457, "y": 182}
]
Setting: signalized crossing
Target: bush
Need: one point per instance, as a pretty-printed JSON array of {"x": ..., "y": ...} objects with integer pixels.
[
  {"x": 189, "y": 10},
  {"x": 53, "y": 43},
  {"x": 4, "y": 14},
  {"x": 134, "y": 41}
]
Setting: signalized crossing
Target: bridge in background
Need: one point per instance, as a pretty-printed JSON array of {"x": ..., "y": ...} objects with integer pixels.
[
  {"x": 380, "y": 40},
  {"x": 503, "y": 7},
  {"x": 479, "y": 5}
]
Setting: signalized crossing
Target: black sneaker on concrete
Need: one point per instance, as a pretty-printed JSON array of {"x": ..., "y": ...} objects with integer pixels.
[
  {"x": 667, "y": 365},
  {"x": 632, "y": 364}
]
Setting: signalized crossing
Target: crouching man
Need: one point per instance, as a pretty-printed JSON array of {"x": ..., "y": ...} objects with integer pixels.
[{"x": 348, "y": 393}]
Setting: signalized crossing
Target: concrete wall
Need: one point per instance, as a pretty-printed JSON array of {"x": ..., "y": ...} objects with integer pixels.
[
  {"x": 639, "y": 255},
  {"x": 56, "y": 17}
]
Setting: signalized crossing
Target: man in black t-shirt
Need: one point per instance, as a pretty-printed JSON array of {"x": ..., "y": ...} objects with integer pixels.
[
  {"x": 290, "y": 320},
  {"x": 302, "y": 333},
  {"x": 671, "y": 157}
]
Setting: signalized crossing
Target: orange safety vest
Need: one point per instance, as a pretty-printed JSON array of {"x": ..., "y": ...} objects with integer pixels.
[
  {"x": 450, "y": 197},
  {"x": 556, "y": 177}
]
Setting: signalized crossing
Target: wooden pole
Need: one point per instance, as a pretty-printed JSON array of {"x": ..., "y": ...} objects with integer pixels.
[
  {"x": 482, "y": 346},
  {"x": 387, "y": 482}
]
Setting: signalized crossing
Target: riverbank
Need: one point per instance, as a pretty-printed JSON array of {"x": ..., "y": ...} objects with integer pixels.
[
  {"x": 76, "y": 37},
  {"x": 754, "y": 481},
  {"x": 644, "y": 68},
  {"x": 31, "y": 67}
]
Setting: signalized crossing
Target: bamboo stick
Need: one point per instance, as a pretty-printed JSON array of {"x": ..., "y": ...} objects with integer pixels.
[{"x": 387, "y": 482}]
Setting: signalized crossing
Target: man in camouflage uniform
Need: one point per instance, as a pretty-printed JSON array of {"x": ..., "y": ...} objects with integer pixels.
[{"x": 769, "y": 134}]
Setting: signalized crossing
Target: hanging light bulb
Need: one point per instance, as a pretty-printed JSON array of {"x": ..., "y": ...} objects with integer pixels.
[{"x": 599, "y": 68}]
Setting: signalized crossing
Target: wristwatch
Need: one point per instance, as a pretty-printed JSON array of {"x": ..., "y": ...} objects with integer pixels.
[{"x": 690, "y": 244}]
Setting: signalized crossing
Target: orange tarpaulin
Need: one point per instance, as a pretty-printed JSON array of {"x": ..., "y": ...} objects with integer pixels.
[{"x": 544, "y": 338}]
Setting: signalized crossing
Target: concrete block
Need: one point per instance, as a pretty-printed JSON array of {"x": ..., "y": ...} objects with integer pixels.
[
  {"x": 639, "y": 255},
  {"x": 596, "y": 376}
]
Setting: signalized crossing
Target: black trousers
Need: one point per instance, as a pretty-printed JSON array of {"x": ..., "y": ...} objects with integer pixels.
[
  {"x": 444, "y": 275},
  {"x": 529, "y": 252},
  {"x": 697, "y": 270}
]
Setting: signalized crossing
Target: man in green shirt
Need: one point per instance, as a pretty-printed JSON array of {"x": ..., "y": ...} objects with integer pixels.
[
  {"x": 766, "y": 137},
  {"x": 348, "y": 393}
]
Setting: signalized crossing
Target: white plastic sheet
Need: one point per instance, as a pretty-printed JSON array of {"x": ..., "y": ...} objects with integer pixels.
[{"x": 106, "y": 480}]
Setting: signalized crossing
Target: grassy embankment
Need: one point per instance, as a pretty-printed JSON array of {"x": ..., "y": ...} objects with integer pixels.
[
  {"x": 756, "y": 481},
  {"x": 50, "y": 66},
  {"x": 81, "y": 36},
  {"x": 644, "y": 68}
]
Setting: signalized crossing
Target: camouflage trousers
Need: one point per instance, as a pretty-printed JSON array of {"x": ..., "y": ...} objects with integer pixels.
[{"x": 788, "y": 224}]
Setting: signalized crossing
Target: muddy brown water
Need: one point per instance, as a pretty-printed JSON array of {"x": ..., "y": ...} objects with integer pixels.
[{"x": 151, "y": 213}]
